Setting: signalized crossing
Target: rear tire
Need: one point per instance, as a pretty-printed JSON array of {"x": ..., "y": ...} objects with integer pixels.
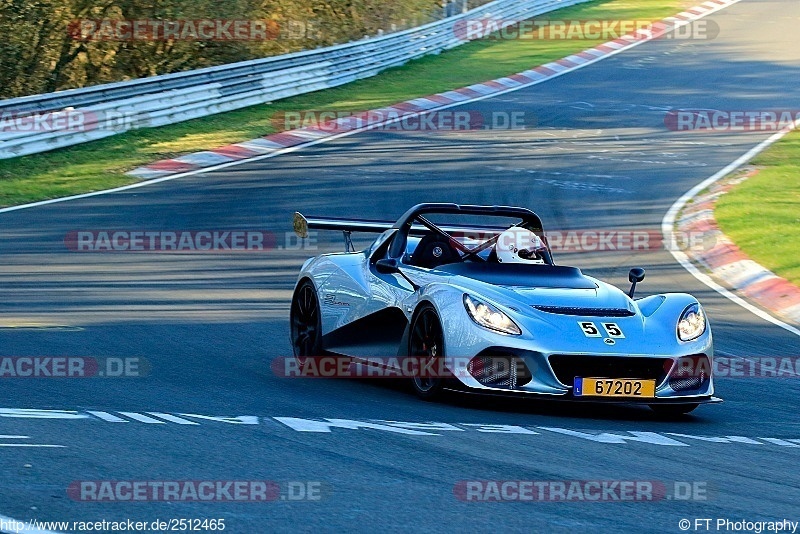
[
  {"x": 426, "y": 342},
  {"x": 672, "y": 410}
]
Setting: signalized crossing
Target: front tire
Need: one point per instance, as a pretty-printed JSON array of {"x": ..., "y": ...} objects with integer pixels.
[
  {"x": 426, "y": 343},
  {"x": 305, "y": 323},
  {"x": 673, "y": 410}
]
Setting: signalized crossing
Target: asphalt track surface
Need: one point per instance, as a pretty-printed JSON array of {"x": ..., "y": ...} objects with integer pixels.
[{"x": 209, "y": 324}]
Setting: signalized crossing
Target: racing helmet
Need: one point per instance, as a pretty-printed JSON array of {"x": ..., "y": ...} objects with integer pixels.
[{"x": 519, "y": 245}]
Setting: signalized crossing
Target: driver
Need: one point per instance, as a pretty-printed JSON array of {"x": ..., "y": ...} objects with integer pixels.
[{"x": 520, "y": 245}]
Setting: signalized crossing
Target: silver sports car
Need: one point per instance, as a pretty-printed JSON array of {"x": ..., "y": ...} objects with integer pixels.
[{"x": 473, "y": 291}]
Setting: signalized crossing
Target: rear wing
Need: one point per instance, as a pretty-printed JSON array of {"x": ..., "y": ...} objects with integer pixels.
[
  {"x": 302, "y": 224},
  {"x": 414, "y": 223}
]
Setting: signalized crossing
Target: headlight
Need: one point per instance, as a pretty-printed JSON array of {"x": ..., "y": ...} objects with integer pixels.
[
  {"x": 692, "y": 323},
  {"x": 490, "y": 317}
]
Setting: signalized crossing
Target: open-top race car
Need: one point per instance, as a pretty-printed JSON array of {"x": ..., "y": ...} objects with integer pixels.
[{"x": 474, "y": 290}]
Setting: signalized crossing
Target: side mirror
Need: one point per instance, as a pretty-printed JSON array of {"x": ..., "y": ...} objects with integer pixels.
[
  {"x": 635, "y": 276},
  {"x": 392, "y": 266},
  {"x": 387, "y": 266}
]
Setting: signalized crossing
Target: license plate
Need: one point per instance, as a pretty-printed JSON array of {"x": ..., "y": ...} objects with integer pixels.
[{"x": 614, "y": 387}]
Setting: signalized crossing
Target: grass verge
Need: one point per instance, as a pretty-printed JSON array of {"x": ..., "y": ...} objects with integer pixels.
[
  {"x": 762, "y": 214},
  {"x": 102, "y": 164}
]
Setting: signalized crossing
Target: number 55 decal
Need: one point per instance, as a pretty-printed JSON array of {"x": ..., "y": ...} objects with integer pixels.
[
  {"x": 589, "y": 329},
  {"x": 613, "y": 330}
]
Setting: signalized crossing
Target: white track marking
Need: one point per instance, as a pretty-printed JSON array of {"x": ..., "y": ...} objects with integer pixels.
[
  {"x": 6, "y": 436},
  {"x": 172, "y": 418},
  {"x": 668, "y": 224},
  {"x": 142, "y": 418},
  {"x": 32, "y": 445},
  {"x": 105, "y": 416},
  {"x": 288, "y": 150}
]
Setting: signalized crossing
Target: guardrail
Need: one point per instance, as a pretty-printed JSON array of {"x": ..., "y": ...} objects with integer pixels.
[{"x": 81, "y": 115}]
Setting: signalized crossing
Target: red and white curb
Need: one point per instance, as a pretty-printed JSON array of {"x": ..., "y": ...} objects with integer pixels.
[
  {"x": 726, "y": 262},
  {"x": 751, "y": 277},
  {"x": 276, "y": 143}
]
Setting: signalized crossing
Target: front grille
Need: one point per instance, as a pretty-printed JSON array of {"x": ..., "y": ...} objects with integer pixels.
[
  {"x": 499, "y": 370},
  {"x": 567, "y": 367},
  {"x": 690, "y": 373},
  {"x": 685, "y": 384},
  {"x": 587, "y": 312}
]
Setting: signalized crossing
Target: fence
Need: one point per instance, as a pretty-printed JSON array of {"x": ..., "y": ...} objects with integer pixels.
[{"x": 86, "y": 114}]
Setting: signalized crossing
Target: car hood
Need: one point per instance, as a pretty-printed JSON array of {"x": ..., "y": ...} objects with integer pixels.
[
  {"x": 544, "y": 290},
  {"x": 602, "y": 301},
  {"x": 522, "y": 275}
]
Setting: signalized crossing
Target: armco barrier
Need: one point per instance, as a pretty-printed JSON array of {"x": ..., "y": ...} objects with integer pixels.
[{"x": 172, "y": 98}]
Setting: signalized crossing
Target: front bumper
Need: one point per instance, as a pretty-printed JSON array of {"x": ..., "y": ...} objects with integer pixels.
[
  {"x": 551, "y": 376},
  {"x": 569, "y": 398}
]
